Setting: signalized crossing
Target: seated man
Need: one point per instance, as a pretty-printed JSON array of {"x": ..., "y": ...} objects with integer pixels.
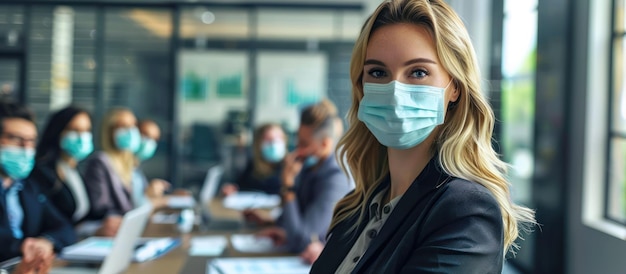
[
  {"x": 312, "y": 183},
  {"x": 153, "y": 189},
  {"x": 29, "y": 226}
]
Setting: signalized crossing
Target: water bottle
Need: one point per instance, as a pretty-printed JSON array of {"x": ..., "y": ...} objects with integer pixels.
[{"x": 185, "y": 220}]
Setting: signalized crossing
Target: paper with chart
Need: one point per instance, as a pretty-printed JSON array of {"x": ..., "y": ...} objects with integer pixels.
[
  {"x": 267, "y": 265},
  {"x": 250, "y": 243},
  {"x": 244, "y": 200}
]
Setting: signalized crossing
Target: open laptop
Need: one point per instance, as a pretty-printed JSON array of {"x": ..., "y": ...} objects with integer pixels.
[
  {"x": 211, "y": 185},
  {"x": 208, "y": 191},
  {"x": 120, "y": 253}
]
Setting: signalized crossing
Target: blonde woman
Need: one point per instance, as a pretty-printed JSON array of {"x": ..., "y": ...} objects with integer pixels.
[
  {"x": 431, "y": 194},
  {"x": 110, "y": 171}
]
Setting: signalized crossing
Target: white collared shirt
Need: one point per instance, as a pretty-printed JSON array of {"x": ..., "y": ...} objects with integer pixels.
[
  {"x": 76, "y": 185},
  {"x": 378, "y": 218}
]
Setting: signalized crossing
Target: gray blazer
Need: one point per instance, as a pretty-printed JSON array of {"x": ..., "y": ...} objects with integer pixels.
[
  {"x": 317, "y": 192},
  {"x": 105, "y": 189}
]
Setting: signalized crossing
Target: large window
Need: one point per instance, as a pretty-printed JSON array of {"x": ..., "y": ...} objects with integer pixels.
[{"x": 616, "y": 190}]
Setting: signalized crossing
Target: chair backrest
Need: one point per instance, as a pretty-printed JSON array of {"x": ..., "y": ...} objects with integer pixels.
[{"x": 205, "y": 143}]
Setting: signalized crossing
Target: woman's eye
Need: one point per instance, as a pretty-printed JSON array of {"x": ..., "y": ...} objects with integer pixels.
[
  {"x": 376, "y": 73},
  {"x": 419, "y": 73}
]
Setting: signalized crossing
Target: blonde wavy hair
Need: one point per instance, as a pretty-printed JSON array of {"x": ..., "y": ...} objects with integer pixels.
[
  {"x": 123, "y": 161},
  {"x": 462, "y": 143}
]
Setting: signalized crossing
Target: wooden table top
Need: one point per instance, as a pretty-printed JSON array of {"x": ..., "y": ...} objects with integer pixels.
[{"x": 178, "y": 260}]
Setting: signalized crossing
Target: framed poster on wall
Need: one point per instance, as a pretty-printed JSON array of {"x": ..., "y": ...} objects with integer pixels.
[{"x": 287, "y": 82}]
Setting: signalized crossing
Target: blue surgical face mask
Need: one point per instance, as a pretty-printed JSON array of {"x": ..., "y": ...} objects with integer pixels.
[
  {"x": 401, "y": 115},
  {"x": 274, "y": 151},
  {"x": 146, "y": 149},
  {"x": 77, "y": 145},
  {"x": 17, "y": 162},
  {"x": 310, "y": 161},
  {"x": 128, "y": 139}
]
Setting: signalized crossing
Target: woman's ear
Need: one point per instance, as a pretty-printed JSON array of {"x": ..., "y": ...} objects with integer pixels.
[
  {"x": 327, "y": 143},
  {"x": 454, "y": 95}
]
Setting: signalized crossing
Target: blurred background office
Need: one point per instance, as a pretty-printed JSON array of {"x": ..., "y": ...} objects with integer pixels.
[{"x": 209, "y": 71}]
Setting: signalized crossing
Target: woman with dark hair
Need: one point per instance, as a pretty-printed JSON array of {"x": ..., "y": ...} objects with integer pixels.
[{"x": 66, "y": 140}]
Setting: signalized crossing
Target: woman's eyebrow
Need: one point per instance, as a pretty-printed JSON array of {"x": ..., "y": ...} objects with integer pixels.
[
  {"x": 374, "y": 62},
  {"x": 419, "y": 60},
  {"x": 407, "y": 63}
]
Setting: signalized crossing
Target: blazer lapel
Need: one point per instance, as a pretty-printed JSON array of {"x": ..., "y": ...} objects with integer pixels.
[
  {"x": 429, "y": 179},
  {"x": 345, "y": 242},
  {"x": 27, "y": 201},
  {"x": 117, "y": 188}
]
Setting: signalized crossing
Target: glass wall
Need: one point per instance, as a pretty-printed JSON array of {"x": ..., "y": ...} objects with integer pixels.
[
  {"x": 137, "y": 72},
  {"x": 11, "y": 54},
  {"x": 207, "y": 74},
  {"x": 100, "y": 58},
  {"x": 239, "y": 67}
]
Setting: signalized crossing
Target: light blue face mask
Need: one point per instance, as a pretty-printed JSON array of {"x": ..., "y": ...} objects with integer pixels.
[
  {"x": 310, "y": 161},
  {"x": 146, "y": 149},
  {"x": 274, "y": 151},
  {"x": 17, "y": 162},
  {"x": 77, "y": 145},
  {"x": 401, "y": 115},
  {"x": 128, "y": 139}
]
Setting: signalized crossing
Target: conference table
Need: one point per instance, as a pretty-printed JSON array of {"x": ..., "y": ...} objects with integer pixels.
[{"x": 178, "y": 259}]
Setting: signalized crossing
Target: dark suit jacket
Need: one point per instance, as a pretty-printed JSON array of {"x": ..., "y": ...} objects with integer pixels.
[
  {"x": 440, "y": 225},
  {"x": 247, "y": 180},
  {"x": 58, "y": 193},
  {"x": 41, "y": 219},
  {"x": 105, "y": 188},
  {"x": 317, "y": 191}
]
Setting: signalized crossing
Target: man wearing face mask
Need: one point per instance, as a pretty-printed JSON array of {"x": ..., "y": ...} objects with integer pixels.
[
  {"x": 312, "y": 181},
  {"x": 155, "y": 188},
  {"x": 32, "y": 228}
]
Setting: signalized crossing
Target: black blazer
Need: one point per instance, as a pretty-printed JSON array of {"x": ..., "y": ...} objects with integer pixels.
[
  {"x": 58, "y": 193},
  {"x": 440, "y": 225},
  {"x": 270, "y": 184},
  {"x": 41, "y": 219}
]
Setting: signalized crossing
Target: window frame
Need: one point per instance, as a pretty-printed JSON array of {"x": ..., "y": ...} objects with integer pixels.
[{"x": 618, "y": 39}]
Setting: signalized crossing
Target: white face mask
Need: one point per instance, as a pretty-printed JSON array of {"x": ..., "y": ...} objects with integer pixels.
[{"x": 401, "y": 115}]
